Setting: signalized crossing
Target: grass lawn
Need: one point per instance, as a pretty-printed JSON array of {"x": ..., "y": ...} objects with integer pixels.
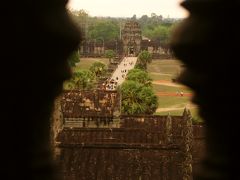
[
  {"x": 173, "y": 112},
  {"x": 157, "y": 76},
  {"x": 168, "y": 66},
  {"x": 167, "y": 70},
  {"x": 173, "y": 102},
  {"x": 85, "y": 63},
  {"x": 172, "y": 89}
]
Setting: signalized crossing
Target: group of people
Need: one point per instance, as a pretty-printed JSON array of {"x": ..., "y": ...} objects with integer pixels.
[
  {"x": 118, "y": 76},
  {"x": 179, "y": 93},
  {"x": 110, "y": 84}
]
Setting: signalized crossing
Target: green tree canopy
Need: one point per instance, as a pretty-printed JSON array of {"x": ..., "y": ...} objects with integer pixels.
[
  {"x": 140, "y": 76},
  {"x": 110, "y": 54},
  {"x": 106, "y": 29},
  {"x": 144, "y": 58},
  {"x": 161, "y": 33},
  {"x": 81, "y": 18},
  {"x": 137, "y": 99},
  {"x": 73, "y": 59},
  {"x": 154, "y": 27},
  {"x": 99, "y": 69},
  {"x": 82, "y": 79}
]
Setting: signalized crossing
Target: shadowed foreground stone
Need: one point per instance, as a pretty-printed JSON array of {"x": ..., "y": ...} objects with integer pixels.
[
  {"x": 204, "y": 42},
  {"x": 36, "y": 38}
]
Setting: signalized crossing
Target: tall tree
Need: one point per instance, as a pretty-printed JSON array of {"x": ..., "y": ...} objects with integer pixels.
[
  {"x": 110, "y": 54},
  {"x": 137, "y": 99},
  {"x": 106, "y": 29},
  {"x": 98, "y": 68},
  {"x": 81, "y": 18},
  {"x": 74, "y": 58},
  {"x": 144, "y": 58},
  {"x": 82, "y": 79},
  {"x": 140, "y": 76}
]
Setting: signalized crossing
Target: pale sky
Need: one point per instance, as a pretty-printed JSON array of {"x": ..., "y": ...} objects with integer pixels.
[{"x": 127, "y": 8}]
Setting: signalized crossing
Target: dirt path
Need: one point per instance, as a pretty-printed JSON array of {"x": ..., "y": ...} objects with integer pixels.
[{"x": 168, "y": 109}]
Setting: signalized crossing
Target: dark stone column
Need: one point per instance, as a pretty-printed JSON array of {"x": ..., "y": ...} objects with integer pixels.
[
  {"x": 205, "y": 43},
  {"x": 36, "y": 39}
]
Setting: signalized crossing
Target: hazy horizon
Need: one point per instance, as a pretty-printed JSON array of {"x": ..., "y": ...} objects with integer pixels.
[{"x": 126, "y": 8}]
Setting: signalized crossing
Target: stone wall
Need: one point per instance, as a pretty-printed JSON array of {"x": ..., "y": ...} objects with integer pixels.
[{"x": 143, "y": 147}]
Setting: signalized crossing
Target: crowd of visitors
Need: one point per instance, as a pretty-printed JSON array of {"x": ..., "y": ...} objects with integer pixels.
[{"x": 120, "y": 73}]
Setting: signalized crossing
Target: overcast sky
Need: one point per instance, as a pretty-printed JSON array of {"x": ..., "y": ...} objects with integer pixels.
[{"x": 127, "y": 8}]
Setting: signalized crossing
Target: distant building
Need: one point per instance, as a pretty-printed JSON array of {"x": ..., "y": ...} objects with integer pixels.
[
  {"x": 131, "y": 38},
  {"x": 131, "y": 44}
]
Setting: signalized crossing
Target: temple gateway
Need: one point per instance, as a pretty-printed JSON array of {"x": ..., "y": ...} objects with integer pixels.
[
  {"x": 131, "y": 38},
  {"x": 130, "y": 43}
]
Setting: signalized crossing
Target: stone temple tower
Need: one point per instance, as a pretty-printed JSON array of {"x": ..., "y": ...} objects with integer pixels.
[{"x": 131, "y": 38}]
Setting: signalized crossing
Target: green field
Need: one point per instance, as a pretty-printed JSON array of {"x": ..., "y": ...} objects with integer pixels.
[
  {"x": 85, "y": 63},
  {"x": 166, "y": 70},
  {"x": 160, "y": 70},
  {"x": 171, "y": 67},
  {"x": 165, "y": 88}
]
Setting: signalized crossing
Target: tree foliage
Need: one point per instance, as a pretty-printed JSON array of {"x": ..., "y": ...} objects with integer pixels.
[
  {"x": 150, "y": 22},
  {"x": 110, "y": 54},
  {"x": 73, "y": 59},
  {"x": 81, "y": 18},
  {"x": 99, "y": 69},
  {"x": 137, "y": 92},
  {"x": 144, "y": 58},
  {"x": 161, "y": 33},
  {"x": 82, "y": 79},
  {"x": 157, "y": 28},
  {"x": 140, "y": 76},
  {"x": 137, "y": 99},
  {"x": 108, "y": 30},
  {"x": 154, "y": 27}
]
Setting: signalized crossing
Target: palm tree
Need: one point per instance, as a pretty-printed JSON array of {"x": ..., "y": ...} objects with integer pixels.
[
  {"x": 144, "y": 58},
  {"x": 110, "y": 54},
  {"x": 137, "y": 99},
  {"x": 83, "y": 79},
  {"x": 140, "y": 76},
  {"x": 98, "y": 68}
]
